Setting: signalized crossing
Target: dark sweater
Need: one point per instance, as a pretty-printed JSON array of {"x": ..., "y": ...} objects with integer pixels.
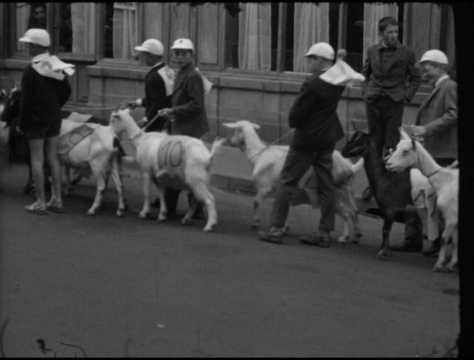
[
  {"x": 155, "y": 97},
  {"x": 41, "y": 99},
  {"x": 314, "y": 115}
]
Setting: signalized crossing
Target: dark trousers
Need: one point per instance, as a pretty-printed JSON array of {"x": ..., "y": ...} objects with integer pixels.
[
  {"x": 385, "y": 118},
  {"x": 172, "y": 197},
  {"x": 295, "y": 166}
]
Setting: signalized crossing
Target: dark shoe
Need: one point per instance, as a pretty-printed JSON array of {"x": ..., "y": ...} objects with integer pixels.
[
  {"x": 434, "y": 248},
  {"x": 407, "y": 247},
  {"x": 274, "y": 235},
  {"x": 323, "y": 241},
  {"x": 367, "y": 194}
]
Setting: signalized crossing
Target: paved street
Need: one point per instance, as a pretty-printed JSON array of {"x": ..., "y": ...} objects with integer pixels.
[{"x": 113, "y": 286}]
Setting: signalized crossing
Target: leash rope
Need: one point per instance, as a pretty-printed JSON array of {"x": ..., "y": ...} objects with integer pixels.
[{"x": 270, "y": 144}]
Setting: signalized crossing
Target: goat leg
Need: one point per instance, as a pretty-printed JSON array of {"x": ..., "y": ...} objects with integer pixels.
[
  {"x": 202, "y": 193},
  {"x": 146, "y": 195},
  {"x": 191, "y": 210},
  {"x": 445, "y": 237},
  {"x": 118, "y": 186},
  {"x": 454, "y": 255},
  {"x": 98, "y": 171}
]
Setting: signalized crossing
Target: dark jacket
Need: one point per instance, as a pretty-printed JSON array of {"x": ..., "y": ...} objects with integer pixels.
[
  {"x": 41, "y": 100},
  {"x": 439, "y": 114},
  {"x": 391, "y": 72},
  {"x": 155, "y": 97},
  {"x": 188, "y": 106},
  {"x": 314, "y": 116}
]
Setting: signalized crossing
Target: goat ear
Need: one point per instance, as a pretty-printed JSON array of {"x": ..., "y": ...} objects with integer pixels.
[
  {"x": 404, "y": 135},
  {"x": 230, "y": 125},
  {"x": 256, "y": 126}
]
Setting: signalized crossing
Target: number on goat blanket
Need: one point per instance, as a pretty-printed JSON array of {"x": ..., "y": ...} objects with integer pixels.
[
  {"x": 170, "y": 153},
  {"x": 66, "y": 142}
]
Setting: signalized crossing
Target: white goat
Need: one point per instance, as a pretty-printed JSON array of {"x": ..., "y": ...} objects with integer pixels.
[
  {"x": 268, "y": 162},
  {"x": 170, "y": 160},
  {"x": 410, "y": 153},
  {"x": 98, "y": 152}
]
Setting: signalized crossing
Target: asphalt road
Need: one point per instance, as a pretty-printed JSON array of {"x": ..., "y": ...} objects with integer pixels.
[{"x": 75, "y": 285}]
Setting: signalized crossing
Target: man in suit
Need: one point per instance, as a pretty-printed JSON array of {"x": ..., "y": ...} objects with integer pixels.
[
  {"x": 317, "y": 129},
  {"x": 187, "y": 114},
  {"x": 437, "y": 117},
  {"x": 156, "y": 82},
  {"x": 391, "y": 80}
]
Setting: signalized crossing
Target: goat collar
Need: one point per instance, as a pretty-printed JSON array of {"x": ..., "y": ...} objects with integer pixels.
[{"x": 433, "y": 173}]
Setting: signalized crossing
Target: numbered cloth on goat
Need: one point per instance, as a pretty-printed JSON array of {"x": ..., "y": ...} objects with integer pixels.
[
  {"x": 171, "y": 161},
  {"x": 67, "y": 141}
]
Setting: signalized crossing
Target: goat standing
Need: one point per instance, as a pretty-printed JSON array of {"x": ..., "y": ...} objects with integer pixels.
[
  {"x": 170, "y": 160},
  {"x": 268, "y": 162},
  {"x": 410, "y": 153}
]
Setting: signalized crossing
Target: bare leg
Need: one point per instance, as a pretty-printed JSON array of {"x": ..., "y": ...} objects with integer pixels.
[
  {"x": 37, "y": 161},
  {"x": 53, "y": 160}
]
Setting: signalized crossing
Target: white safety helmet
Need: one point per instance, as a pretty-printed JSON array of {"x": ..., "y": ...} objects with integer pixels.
[
  {"x": 151, "y": 46},
  {"x": 321, "y": 49},
  {"x": 436, "y": 56},
  {"x": 183, "y": 44},
  {"x": 36, "y": 36}
]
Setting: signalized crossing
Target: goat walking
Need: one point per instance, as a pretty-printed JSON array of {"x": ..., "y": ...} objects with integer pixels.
[
  {"x": 268, "y": 162},
  {"x": 410, "y": 153},
  {"x": 170, "y": 160}
]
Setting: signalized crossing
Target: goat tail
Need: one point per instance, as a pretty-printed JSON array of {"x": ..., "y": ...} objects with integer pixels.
[
  {"x": 216, "y": 146},
  {"x": 358, "y": 165}
]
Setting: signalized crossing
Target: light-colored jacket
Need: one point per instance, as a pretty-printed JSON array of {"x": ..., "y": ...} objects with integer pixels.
[{"x": 439, "y": 114}]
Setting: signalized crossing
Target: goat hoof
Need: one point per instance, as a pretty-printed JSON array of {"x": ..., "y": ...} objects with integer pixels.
[
  {"x": 452, "y": 268},
  {"x": 144, "y": 215},
  {"x": 91, "y": 212},
  {"x": 383, "y": 255},
  {"x": 342, "y": 240},
  {"x": 209, "y": 228},
  {"x": 438, "y": 268},
  {"x": 162, "y": 218},
  {"x": 120, "y": 213}
]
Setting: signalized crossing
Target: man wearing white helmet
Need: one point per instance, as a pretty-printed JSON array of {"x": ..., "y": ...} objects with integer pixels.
[
  {"x": 187, "y": 114},
  {"x": 437, "y": 117},
  {"x": 158, "y": 82},
  {"x": 317, "y": 129},
  {"x": 44, "y": 90}
]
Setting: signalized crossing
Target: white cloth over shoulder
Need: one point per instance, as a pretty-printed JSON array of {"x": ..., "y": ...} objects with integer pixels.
[
  {"x": 51, "y": 66},
  {"x": 168, "y": 75},
  {"x": 206, "y": 83},
  {"x": 341, "y": 73}
]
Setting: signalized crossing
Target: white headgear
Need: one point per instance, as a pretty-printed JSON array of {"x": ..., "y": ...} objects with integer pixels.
[
  {"x": 436, "y": 56},
  {"x": 151, "y": 46},
  {"x": 184, "y": 44},
  {"x": 36, "y": 36},
  {"x": 321, "y": 49}
]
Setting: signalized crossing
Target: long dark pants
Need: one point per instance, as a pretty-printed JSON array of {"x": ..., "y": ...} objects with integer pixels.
[
  {"x": 385, "y": 118},
  {"x": 295, "y": 166}
]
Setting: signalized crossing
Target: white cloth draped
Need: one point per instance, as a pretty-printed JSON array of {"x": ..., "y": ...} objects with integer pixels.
[
  {"x": 311, "y": 25},
  {"x": 255, "y": 36}
]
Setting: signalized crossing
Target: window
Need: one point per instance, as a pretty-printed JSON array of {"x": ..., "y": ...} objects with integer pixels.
[
  {"x": 37, "y": 18},
  {"x": 231, "y": 51},
  {"x": 108, "y": 28},
  {"x": 63, "y": 26},
  {"x": 354, "y": 34}
]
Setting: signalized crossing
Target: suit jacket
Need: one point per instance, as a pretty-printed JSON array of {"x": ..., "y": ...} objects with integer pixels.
[
  {"x": 391, "y": 72},
  {"x": 155, "y": 97},
  {"x": 314, "y": 116},
  {"x": 41, "y": 99},
  {"x": 187, "y": 101},
  {"x": 439, "y": 114}
]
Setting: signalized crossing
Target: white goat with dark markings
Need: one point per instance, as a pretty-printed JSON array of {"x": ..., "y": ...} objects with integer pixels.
[
  {"x": 171, "y": 160},
  {"x": 268, "y": 162},
  {"x": 410, "y": 153}
]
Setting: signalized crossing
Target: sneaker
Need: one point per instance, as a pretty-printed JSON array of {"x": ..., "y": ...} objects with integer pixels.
[
  {"x": 274, "y": 235},
  {"x": 323, "y": 241},
  {"x": 36, "y": 208}
]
